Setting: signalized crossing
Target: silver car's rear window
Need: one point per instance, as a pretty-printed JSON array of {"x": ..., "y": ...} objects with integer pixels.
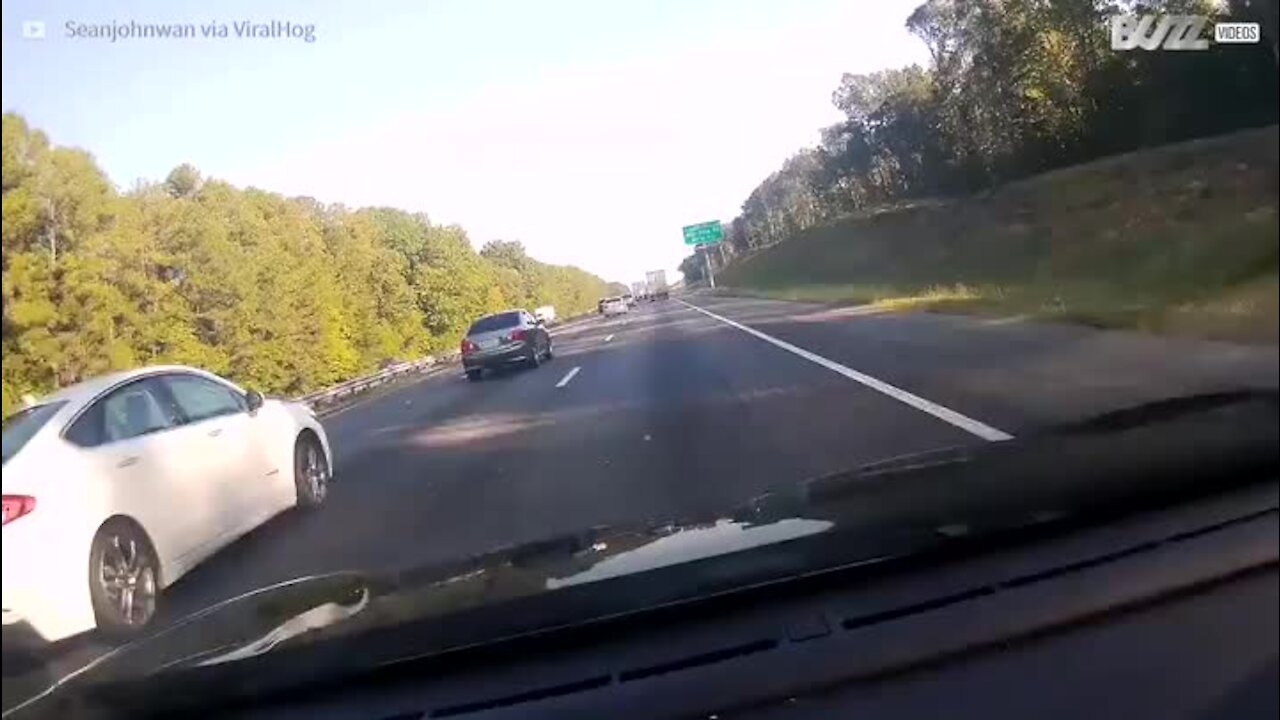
[
  {"x": 495, "y": 322},
  {"x": 24, "y": 424}
]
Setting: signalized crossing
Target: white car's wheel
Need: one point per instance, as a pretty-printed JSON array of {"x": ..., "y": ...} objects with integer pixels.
[
  {"x": 124, "y": 578},
  {"x": 310, "y": 471}
]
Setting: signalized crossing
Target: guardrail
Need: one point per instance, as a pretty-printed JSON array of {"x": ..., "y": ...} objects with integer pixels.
[{"x": 322, "y": 399}]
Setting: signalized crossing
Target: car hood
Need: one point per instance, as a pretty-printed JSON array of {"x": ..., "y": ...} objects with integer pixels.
[{"x": 1117, "y": 462}]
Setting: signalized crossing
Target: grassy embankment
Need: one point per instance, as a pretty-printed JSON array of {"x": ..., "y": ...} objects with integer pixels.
[{"x": 1180, "y": 239}]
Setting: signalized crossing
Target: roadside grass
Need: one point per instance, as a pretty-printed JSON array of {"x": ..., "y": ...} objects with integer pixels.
[
  {"x": 1248, "y": 313},
  {"x": 1176, "y": 240}
]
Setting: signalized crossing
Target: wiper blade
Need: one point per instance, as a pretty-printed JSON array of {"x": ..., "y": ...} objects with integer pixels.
[
  {"x": 1129, "y": 418},
  {"x": 1164, "y": 410},
  {"x": 1150, "y": 447}
]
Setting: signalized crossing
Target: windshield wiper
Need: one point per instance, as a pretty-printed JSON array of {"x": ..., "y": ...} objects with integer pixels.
[{"x": 1165, "y": 410}]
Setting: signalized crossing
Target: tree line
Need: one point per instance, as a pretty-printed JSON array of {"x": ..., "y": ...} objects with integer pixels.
[
  {"x": 286, "y": 295},
  {"x": 1013, "y": 88}
]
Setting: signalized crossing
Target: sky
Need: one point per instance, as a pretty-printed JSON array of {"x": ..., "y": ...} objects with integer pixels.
[{"x": 590, "y": 130}]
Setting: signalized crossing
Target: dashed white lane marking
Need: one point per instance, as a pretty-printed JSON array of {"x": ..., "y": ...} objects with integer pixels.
[
  {"x": 964, "y": 422},
  {"x": 607, "y": 338},
  {"x": 568, "y": 377}
]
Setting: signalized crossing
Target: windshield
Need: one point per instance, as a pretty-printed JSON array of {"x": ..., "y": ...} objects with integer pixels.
[
  {"x": 766, "y": 242},
  {"x": 24, "y": 424},
  {"x": 495, "y": 322}
]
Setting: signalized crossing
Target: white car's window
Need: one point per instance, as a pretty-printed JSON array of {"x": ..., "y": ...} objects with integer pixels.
[
  {"x": 200, "y": 398},
  {"x": 135, "y": 410},
  {"x": 23, "y": 425},
  {"x": 139, "y": 408}
]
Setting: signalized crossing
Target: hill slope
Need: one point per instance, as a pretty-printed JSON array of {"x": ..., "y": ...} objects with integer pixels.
[{"x": 1178, "y": 239}]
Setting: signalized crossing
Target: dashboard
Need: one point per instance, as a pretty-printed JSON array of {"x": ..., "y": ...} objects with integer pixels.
[{"x": 1167, "y": 614}]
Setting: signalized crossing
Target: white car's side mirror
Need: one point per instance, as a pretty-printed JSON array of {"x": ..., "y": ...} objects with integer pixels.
[{"x": 254, "y": 400}]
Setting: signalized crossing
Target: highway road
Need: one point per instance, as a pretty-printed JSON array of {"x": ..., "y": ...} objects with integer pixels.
[{"x": 681, "y": 407}]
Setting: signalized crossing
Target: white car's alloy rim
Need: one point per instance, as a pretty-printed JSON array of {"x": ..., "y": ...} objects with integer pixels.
[
  {"x": 314, "y": 471},
  {"x": 129, "y": 580}
]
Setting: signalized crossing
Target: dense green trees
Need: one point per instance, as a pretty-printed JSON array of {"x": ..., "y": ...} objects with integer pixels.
[
  {"x": 285, "y": 295},
  {"x": 1014, "y": 88}
]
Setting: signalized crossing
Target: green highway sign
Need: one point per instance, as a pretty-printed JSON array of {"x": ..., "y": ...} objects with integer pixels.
[{"x": 706, "y": 233}]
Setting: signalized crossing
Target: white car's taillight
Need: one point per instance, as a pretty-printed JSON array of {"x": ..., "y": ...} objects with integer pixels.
[{"x": 15, "y": 506}]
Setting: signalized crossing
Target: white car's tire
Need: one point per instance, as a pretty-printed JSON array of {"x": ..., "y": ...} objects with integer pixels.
[
  {"x": 124, "y": 579},
  {"x": 311, "y": 473}
]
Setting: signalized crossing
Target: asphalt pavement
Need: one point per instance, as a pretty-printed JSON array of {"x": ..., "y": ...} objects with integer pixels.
[{"x": 681, "y": 407}]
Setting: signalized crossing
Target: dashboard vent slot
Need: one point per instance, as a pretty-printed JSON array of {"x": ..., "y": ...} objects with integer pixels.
[
  {"x": 692, "y": 661},
  {"x": 1069, "y": 568},
  {"x": 858, "y": 621},
  {"x": 542, "y": 693},
  {"x": 639, "y": 673}
]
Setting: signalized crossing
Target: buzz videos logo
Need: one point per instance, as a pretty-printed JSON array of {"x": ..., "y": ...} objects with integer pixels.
[{"x": 1177, "y": 32}]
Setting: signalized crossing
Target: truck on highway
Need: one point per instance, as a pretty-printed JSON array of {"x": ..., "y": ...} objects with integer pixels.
[
  {"x": 656, "y": 280},
  {"x": 640, "y": 290}
]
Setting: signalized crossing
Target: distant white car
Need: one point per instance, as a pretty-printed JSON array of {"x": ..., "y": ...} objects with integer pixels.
[
  {"x": 546, "y": 314},
  {"x": 614, "y": 306},
  {"x": 117, "y": 486}
]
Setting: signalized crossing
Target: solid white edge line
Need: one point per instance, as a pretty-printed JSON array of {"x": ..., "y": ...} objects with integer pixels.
[
  {"x": 567, "y": 377},
  {"x": 964, "y": 422}
]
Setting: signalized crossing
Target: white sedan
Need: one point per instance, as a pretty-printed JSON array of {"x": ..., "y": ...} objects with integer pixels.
[{"x": 117, "y": 486}]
